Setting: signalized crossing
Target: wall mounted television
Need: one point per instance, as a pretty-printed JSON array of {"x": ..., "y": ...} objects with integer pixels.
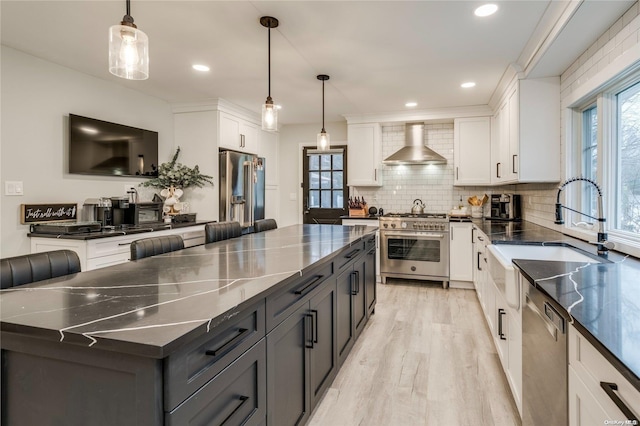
[{"x": 98, "y": 147}]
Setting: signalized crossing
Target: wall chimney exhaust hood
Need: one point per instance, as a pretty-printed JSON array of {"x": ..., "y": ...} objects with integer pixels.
[{"x": 414, "y": 150}]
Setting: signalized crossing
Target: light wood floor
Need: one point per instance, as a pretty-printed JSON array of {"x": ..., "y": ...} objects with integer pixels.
[{"x": 424, "y": 358}]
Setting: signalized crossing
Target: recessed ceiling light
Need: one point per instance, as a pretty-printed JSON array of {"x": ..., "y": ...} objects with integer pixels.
[
  {"x": 411, "y": 104},
  {"x": 202, "y": 68},
  {"x": 486, "y": 10},
  {"x": 468, "y": 84}
]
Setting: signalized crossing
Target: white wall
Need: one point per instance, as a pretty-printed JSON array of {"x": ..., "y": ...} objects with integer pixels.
[
  {"x": 37, "y": 97},
  {"x": 292, "y": 137}
]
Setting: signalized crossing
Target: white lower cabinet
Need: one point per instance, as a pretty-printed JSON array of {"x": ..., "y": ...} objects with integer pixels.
[
  {"x": 461, "y": 251},
  {"x": 589, "y": 375},
  {"x": 505, "y": 322},
  {"x": 102, "y": 252}
]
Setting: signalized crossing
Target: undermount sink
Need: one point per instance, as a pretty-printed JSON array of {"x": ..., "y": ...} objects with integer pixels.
[{"x": 535, "y": 252}]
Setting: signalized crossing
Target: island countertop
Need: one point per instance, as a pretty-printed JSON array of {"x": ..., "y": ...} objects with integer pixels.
[{"x": 147, "y": 307}]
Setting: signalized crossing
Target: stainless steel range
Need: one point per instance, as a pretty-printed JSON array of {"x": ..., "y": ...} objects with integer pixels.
[{"x": 415, "y": 246}]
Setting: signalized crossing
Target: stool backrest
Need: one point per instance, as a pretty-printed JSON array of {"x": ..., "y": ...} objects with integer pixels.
[
  {"x": 264, "y": 225},
  {"x": 153, "y": 246},
  {"x": 29, "y": 268},
  {"x": 221, "y": 231}
]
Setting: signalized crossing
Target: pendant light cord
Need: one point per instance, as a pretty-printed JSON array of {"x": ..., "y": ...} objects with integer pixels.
[
  {"x": 323, "y": 106},
  {"x": 269, "y": 61}
]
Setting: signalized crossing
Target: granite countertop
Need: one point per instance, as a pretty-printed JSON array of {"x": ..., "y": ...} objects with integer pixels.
[
  {"x": 150, "y": 307},
  {"x": 601, "y": 299},
  {"x": 369, "y": 216},
  {"x": 130, "y": 230}
]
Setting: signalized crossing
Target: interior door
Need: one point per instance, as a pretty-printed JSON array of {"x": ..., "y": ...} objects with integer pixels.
[{"x": 324, "y": 185}]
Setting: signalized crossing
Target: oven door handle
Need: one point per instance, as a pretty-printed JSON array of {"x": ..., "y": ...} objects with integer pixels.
[{"x": 411, "y": 234}]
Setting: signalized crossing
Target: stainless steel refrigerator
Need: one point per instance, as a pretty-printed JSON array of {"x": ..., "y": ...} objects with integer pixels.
[{"x": 241, "y": 187}]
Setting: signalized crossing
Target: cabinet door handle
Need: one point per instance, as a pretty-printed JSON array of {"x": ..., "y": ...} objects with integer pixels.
[
  {"x": 308, "y": 342},
  {"x": 305, "y": 289},
  {"x": 315, "y": 325},
  {"x": 357, "y": 281},
  {"x": 352, "y": 279},
  {"x": 478, "y": 261},
  {"x": 498, "y": 170},
  {"x": 501, "y": 312},
  {"x": 229, "y": 343},
  {"x": 457, "y": 177},
  {"x": 513, "y": 162},
  {"x": 375, "y": 175},
  {"x": 242, "y": 400},
  {"x": 609, "y": 389}
]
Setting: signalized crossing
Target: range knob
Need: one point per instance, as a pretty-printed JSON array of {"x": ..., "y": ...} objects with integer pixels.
[
  {"x": 393, "y": 225},
  {"x": 386, "y": 225}
]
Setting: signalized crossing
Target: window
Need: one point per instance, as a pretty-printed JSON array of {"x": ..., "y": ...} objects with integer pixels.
[
  {"x": 589, "y": 157},
  {"x": 608, "y": 148},
  {"x": 627, "y": 170},
  {"x": 326, "y": 187}
]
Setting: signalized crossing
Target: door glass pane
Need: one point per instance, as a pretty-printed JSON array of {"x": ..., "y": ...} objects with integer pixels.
[
  {"x": 325, "y": 180},
  {"x": 627, "y": 215},
  {"x": 337, "y": 180},
  {"x": 314, "y": 162},
  {"x": 314, "y": 180},
  {"x": 314, "y": 199},
  {"x": 325, "y": 162},
  {"x": 325, "y": 200},
  {"x": 337, "y": 162},
  {"x": 338, "y": 201}
]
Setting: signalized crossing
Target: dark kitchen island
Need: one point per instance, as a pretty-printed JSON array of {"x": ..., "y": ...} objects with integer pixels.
[{"x": 198, "y": 336}]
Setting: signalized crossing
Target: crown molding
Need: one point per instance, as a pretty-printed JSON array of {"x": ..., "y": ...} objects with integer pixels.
[
  {"x": 436, "y": 114},
  {"x": 216, "y": 104}
]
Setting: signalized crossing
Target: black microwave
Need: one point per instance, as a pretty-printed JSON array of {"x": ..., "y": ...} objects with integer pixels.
[{"x": 143, "y": 213}]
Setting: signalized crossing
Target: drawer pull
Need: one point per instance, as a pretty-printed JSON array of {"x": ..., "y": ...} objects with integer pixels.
[
  {"x": 216, "y": 352},
  {"x": 609, "y": 389},
  {"x": 124, "y": 244},
  {"x": 352, "y": 254},
  {"x": 242, "y": 399},
  {"x": 305, "y": 289}
]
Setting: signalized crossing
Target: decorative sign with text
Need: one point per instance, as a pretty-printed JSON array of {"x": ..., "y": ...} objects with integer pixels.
[{"x": 35, "y": 213}]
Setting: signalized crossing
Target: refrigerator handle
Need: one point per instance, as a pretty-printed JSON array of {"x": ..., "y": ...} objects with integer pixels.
[{"x": 249, "y": 185}]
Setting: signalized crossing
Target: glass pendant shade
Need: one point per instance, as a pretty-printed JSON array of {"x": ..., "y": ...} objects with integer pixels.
[
  {"x": 269, "y": 116},
  {"x": 323, "y": 141},
  {"x": 128, "y": 52}
]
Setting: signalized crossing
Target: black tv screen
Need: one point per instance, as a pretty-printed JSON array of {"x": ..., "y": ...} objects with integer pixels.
[{"x": 98, "y": 147}]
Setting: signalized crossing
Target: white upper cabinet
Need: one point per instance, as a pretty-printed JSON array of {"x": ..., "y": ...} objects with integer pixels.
[
  {"x": 472, "y": 151},
  {"x": 526, "y": 147},
  {"x": 364, "y": 155},
  {"x": 237, "y": 133}
]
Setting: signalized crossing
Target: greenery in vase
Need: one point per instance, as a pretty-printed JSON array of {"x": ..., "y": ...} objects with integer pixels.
[{"x": 178, "y": 175}]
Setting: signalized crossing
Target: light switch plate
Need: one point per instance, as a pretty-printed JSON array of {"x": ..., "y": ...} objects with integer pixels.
[{"x": 13, "y": 188}]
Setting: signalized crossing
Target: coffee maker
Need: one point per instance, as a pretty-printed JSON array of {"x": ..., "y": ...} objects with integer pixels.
[
  {"x": 98, "y": 210},
  {"x": 506, "y": 207},
  {"x": 120, "y": 206}
]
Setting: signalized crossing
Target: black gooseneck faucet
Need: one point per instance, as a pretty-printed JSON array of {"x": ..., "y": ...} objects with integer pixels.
[{"x": 602, "y": 243}]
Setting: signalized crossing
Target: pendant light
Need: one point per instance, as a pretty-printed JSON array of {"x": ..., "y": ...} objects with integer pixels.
[
  {"x": 323, "y": 137},
  {"x": 269, "y": 110},
  {"x": 128, "y": 50}
]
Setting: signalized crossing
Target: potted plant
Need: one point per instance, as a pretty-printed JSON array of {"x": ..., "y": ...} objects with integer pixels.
[{"x": 173, "y": 178}]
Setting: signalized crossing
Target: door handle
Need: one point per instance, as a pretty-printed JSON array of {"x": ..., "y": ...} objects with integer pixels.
[
  {"x": 315, "y": 325},
  {"x": 308, "y": 343},
  {"x": 501, "y": 312},
  {"x": 513, "y": 163},
  {"x": 498, "y": 170},
  {"x": 478, "y": 261}
]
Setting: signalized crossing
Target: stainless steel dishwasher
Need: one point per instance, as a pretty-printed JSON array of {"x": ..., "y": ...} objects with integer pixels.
[{"x": 544, "y": 361}]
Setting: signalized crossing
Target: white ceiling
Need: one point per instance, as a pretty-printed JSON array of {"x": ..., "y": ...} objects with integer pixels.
[{"x": 379, "y": 54}]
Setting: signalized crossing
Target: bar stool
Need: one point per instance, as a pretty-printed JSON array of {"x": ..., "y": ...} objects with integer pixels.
[
  {"x": 264, "y": 225},
  {"x": 221, "y": 231},
  {"x": 29, "y": 268},
  {"x": 153, "y": 246}
]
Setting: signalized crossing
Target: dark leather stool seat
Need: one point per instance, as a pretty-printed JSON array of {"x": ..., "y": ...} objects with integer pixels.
[
  {"x": 34, "y": 267},
  {"x": 155, "y": 245},
  {"x": 264, "y": 225},
  {"x": 221, "y": 231}
]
